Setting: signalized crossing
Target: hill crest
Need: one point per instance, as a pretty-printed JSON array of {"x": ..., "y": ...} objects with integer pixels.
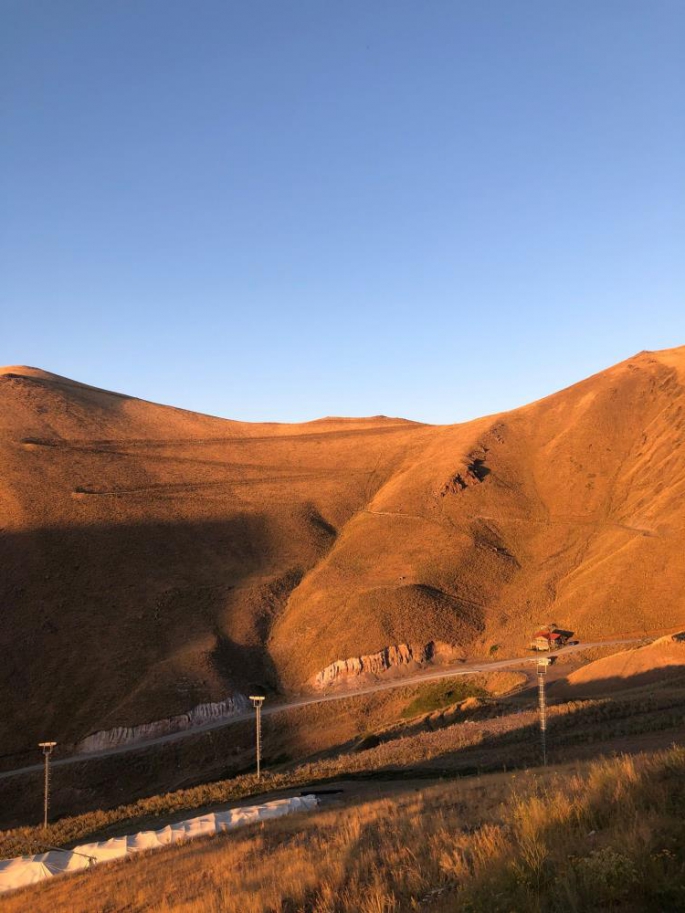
[{"x": 156, "y": 559}]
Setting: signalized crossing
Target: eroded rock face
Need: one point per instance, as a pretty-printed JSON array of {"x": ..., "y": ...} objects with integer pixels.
[
  {"x": 388, "y": 658},
  {"x": 475, "y": 472},
  {"x": 197, "y": 716}
]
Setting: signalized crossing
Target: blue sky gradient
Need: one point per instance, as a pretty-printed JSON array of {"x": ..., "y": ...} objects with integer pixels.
[{"x": 279, "y": 211}]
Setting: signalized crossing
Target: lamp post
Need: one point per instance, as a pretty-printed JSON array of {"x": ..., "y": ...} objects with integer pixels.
[
  {"x": 543, "y": 663},
  {"x": 48, "y": 748},
  {"x": 257, "y": 702}
]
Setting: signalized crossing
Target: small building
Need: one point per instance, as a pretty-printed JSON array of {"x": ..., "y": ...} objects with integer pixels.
[{"x": 550, "y": 638}]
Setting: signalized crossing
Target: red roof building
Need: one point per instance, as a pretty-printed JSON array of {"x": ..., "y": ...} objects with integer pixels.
[{"x": 549, "y": 639}]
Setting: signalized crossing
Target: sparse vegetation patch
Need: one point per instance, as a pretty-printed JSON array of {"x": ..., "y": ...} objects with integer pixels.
[{"x": 440, "y": 695}]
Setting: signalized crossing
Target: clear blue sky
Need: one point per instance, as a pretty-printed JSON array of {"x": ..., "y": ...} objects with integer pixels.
[{"x": 281, "y": 210}]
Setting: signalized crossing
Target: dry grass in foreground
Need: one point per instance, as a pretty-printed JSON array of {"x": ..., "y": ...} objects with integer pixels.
[
  {"x": 448, "y": 747},
  {"x": 610, "y": 836}
]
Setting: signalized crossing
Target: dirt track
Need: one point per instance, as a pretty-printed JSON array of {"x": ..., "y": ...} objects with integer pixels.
[{"x": 428, "y": 675}]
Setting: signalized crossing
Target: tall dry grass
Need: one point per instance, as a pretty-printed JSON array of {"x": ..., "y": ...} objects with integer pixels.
[
  {"x": 489, "y": 742},
  {"x": 610, "y": 836}
]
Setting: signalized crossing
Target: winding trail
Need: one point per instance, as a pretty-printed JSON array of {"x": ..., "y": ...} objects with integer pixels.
[{"x": 430, "y": 674}]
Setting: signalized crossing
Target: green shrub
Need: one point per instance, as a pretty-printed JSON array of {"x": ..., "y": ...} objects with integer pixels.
[{"x": 441, "y": 695}]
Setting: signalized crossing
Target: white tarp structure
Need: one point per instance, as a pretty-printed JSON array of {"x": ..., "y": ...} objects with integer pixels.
[{"x": 27, "y": 870}]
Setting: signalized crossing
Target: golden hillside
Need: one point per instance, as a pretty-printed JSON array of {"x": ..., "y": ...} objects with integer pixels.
[
  {"x": 661, "y": 661},
  {"x": 154, "y": 558}
]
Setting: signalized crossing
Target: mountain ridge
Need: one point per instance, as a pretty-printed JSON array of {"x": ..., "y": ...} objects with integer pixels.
[{"x": 155, "y": 558}]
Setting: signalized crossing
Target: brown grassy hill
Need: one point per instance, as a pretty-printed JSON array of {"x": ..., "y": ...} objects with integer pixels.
[
  {"x": 572, "y": 508},
  {"x": 153, "y": 558},
  {"x": 145, "y": 550},
  {"x": 657, "y": 662}
]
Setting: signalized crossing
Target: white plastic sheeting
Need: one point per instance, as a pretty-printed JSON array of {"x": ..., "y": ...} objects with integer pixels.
[{"x": 28, "y": 870}]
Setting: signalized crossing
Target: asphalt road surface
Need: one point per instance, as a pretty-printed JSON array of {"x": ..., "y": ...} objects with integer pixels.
[{"x": 431, "y": 674}]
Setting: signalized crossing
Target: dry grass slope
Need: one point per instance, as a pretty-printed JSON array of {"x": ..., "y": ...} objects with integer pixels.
[
  {"x": 658, "y": 662},
  {"x": 154, "y": 558},
  {"x": 610, "y": 836},
  {"x": 472, "y": 735}
]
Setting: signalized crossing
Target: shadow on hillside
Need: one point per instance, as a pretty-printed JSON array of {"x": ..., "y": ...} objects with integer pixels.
[
  {"x": 508, "y": 736},
  {"x": 107, "y": 625},
  {"x": 563, "y": 690},
  {"x": 579, "y": 731},
  {"x": 629, "y": 723}
]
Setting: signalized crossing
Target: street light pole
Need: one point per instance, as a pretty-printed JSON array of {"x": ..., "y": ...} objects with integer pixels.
[
  {"x": 543, "y": 662},
  {"x": 47, "y": 751},
  {"x": 257, "y": 702}
]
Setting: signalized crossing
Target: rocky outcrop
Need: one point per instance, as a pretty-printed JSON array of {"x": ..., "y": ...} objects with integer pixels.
[
  {"x": 375, "y": 663},
  {"x": 473, "y": 473},
  {"x": 197, "y": 716}
]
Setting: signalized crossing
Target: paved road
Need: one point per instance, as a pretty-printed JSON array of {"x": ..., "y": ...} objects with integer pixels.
[{"x": 430, "y": 674}]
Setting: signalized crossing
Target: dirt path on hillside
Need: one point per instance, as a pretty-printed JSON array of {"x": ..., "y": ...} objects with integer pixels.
[{"x": 428, "y": 675}]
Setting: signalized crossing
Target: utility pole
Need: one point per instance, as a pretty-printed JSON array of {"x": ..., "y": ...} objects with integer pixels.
[
  {"x": 543, "y": 662},
  {"x": 257, "y": 702},
  {"x": 47, "y": 751}
]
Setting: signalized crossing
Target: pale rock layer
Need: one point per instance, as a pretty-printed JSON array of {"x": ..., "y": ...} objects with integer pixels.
[
  {"x": 196, "y": 717},
  {"x": 390, "y": 657}
]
